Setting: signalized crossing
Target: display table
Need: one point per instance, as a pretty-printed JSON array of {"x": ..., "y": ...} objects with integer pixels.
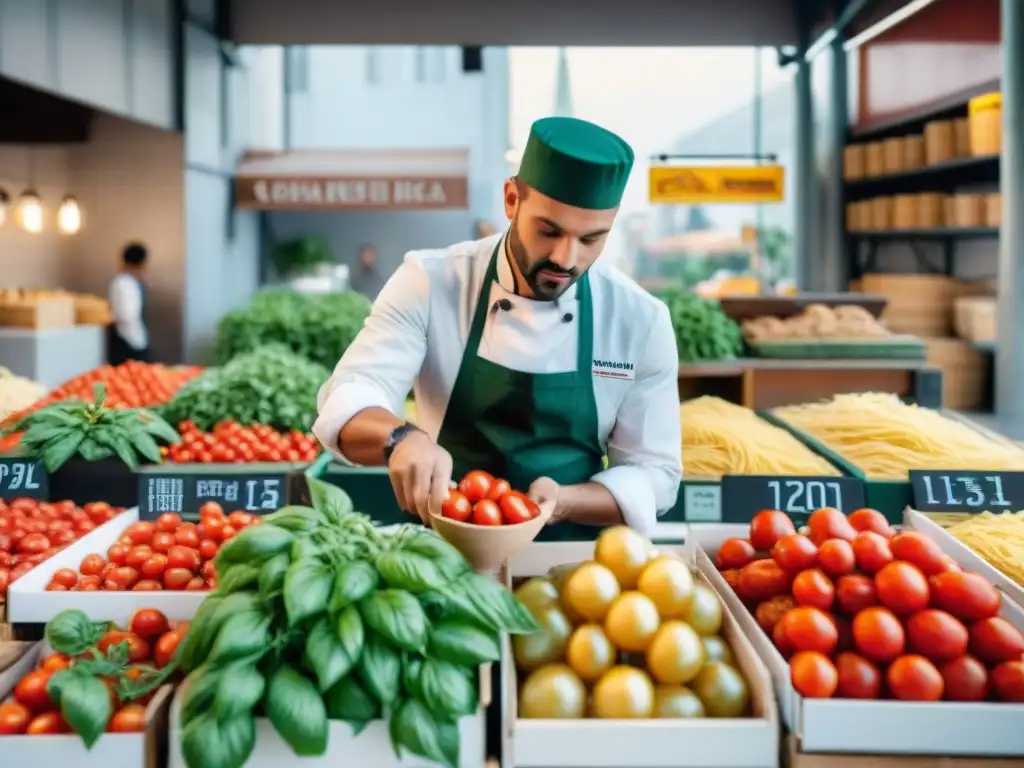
[{"x": 51, "y": 357}]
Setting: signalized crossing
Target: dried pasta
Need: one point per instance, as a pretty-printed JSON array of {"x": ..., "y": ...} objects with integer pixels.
[
  {"x": 720, "y": 438},
  {"x": 885, "y": 437},
  {"x": 999, "y": 539}
]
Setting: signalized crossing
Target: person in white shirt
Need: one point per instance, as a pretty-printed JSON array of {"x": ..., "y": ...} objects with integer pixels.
[
  {"x": 528, "y": 357},
  {"x": 127, "y": 336}
]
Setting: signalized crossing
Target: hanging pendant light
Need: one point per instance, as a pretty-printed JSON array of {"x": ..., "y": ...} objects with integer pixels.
[
  {"x": 5, "y": 200},
  {"x": 69, "y": 216},
  {"x": 29, "y": 213}
]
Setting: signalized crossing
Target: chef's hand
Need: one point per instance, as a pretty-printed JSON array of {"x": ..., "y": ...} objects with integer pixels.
[
  {"x": 544, "y": 490},
  {"x": 421, "y": 473}
]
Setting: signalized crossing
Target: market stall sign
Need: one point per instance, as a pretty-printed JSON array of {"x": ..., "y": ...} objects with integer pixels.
[
  {"x": 350, "y": 193},
  {"x": 721, "y": 184},
  {"x": 23, "y": 478},
  {"x": 967, "y": 490},
  {"x": 743, "y": 496},
  {"x": 185, "y": 493}
]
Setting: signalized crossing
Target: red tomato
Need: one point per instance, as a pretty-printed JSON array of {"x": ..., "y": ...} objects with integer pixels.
[
  {"x": 809, "y": 629},
  {"x": 148, "y": 623},
  {"x": 770, "y": 612},
  {"x": 814, "y": 588},
  {"x": 813, "y": 675},
  {"x": 902, "y": 588},
  {"x": 141, "y": 532},
  {"x": 118, "y": 553},
  {"x": 65, "y": 576},
  {"x": 196, "y": 584},
  {"x": 781, "y": 641},
  {"x": 870, "y": 520},
  {"x": 147, "y": 585},
  {"x": 166, "y": 646},
  {"x": 187, "y": 535},
  {"x": 486, "y": 512},
  {"x": 14, "y": 718},
  {"x": 516, "y": 508},
  {"x": 965, "y": 679},
  {"x": 914, "y": 678},
  {"x": 177, "y": 578},
  {"x": 239, "y": 519},
  {"x": 162, "y": 542},
  {"x": 995, "y": 640},
  {"x": 208, "y": 549},
  {"x": 33, "y": 544},
  {"x": 498, "y": 489},
  {"x": 155, "y": 566},
  {"x": 456, "y": 507},
  {"x": 761, "y": 580},
  {"x": 183, "y": 557},
  {"x": 734, "y": 553},
  {"x": 965, "y": 595},
  {"x": 917, "y": 549},
  {"x": 795, "y": 553},
  {"x": 31, "y": 691},
  {"x": 125, "y": 577},
  {"x": 878, "y": 634},
  {"x": 88, "y": 584},
  {"x": 829, "y": 523},
  {"x": 858, "y": 677},
  {"x": 836, "y": 558},
  {"x": 871, "y": 550},
  {"x": 168, "y": 522},
  {"x": 732, "y": 578},
  {"x": 55, "y": 662},
  {"x": 936, "y": 635},
  {"x": 138, "y": 555},
  {"x": 211, "y": 509},
  {"x": 227, "y": 532},
  {"x": 854, "y": 593},
  {"x": 767, "y": 527},
  {"x": 92, "y": 565},
  {"x": 47, "y": 723},
  {"x": 1008, "y": 681},
  {"x": 131, "y": 718},
  {"x": 475, "y": 486}
]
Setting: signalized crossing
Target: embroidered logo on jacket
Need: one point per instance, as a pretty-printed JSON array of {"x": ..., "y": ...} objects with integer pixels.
[{"x": 613, "y": 369}]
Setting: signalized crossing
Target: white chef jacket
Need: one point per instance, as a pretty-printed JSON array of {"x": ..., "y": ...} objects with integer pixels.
[
  {"x": 416, "y": 334},
  {"x": 125, "y": 297}
]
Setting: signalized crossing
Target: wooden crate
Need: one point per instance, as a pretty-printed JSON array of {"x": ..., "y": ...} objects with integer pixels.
[
  {"x": 964, "y": 372},
  {"x": 920, "y": 305},
  {"x": 39, "y": 313},
  {"x": 974, "y": 318}
]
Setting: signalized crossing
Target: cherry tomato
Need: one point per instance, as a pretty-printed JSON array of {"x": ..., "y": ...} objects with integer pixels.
[
  {"x": 498, "y": 489},
  {"x": 995, "y": 640},
  {"x": 936, "y": 635},
  {"x": 858, "y": 677},
  {"x": 131, "y": 718},
  {"x": 772, "y": 610},
  {"x": 1008, "y": 681},
  {"x": 147, "y": 585},
  {"x": 14, "y": 718},
  {"x": 155, "y": 566},
  {"x": 812, "y": 587},
  {"x": 917, "y": 549},
  {"x": 148, "y": 623},
  {"x": 475, "y": 486},
  {"x": 92, "y": 565},
  {"x": 914, "y": 678},
  {"x": 871, "y": 551},
  {"x": 47, "y": 722},
  {"x": 813, "y": 675},
  {"x": 211, "y": 509},
  {"x": 734, "y": 553},
  {"x": 870, "y": 520},
  {"x": 140, "y": 532},
  {"x": 781, "y": 641},
  {"x": 732, "y": 578},
  {"x": 965, "y": 595},
  {"x": 162, "y": 542},
  {"x": 516, "y": 508},
  {"x": 187, "y": 535},
  {"x": 33, "y": 544},
  {"x": 809, "y": 629},
  {"x": 239, "y": 519},
  {"x": 829, "y": 523},
  {"x": 125, "y": 576},
  {"x": 177, "y": 578},
  {"x": 486, "y": 512},
  {"x": 166, "y": 646},
  {"x": 795, "y": 553},
  {"x": 196, "y": 584},
  {"x": 965, "y": 679},
  {"x": 208, "y": 549},
  {"x": 31, "y": 690},
  {"x": 767, "y": 527},
  {"x": 902, "y": 588},
  {"x": 836, "y": 558},
  {"x": 761, "y": 580},
  {"x": 168, "y": 522},
  {"x": 854, "y": 593},
  {"x": 138, "y": 555},
  {"x": 227, "y": 532},
  {"x": 118, "y": 554},
  {"x": 65, "y": 576},
  {"x": 88, "y": 584},
  {"x": 55, "y": 662},
  {"x": 878, "y": 634},
  {"x": 183, "y": 557},
  {"x": 457, "y": 507}
]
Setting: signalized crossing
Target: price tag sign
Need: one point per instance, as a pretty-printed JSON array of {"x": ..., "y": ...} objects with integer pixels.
[
  {"x": 967, "y": 490},
  {"x": 23, "y": 478},
  {"x": 743, "y": 496},
  {"x": 185, "y": 493}
]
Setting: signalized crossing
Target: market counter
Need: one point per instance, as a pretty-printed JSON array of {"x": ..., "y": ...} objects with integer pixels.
[{"x": 52, "y": 356}]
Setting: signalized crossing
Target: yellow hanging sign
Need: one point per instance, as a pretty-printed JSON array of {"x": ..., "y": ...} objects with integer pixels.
[{"x": 717, "y": 184}]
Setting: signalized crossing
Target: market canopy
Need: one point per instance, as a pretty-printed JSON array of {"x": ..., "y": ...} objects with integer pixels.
[{"x": 353, "y": 179}]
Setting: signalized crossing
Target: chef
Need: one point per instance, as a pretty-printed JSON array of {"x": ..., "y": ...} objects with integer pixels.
[{"x": 529, "y": 357}]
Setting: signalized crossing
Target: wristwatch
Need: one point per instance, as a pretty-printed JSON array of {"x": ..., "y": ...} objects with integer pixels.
[{"x": 396, "y": 436}]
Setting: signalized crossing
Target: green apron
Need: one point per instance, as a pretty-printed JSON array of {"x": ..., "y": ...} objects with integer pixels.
[{"x": 521, "y": 426}]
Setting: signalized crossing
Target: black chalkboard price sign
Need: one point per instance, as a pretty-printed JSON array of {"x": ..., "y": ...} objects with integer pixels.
[
  {"x": 23, "y": 478},
  {"x": 743, "y": 496},
  {"x": 967, "y": 490},
  {"x": 184, "y": 493}
]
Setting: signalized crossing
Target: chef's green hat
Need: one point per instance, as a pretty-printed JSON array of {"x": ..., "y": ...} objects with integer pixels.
[{"x": 576, "y": 163}]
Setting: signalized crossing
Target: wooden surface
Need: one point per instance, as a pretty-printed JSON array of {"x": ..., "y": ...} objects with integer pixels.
[{"x": 741, "y": 308}]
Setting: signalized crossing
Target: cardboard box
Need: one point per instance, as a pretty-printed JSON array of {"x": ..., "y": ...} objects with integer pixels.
[
  {"x": 28, "y": 602},
  {"x": 123, "y": 750},
  {"x": 850, "y": 726},
  {"x": 711, "y": 743}
]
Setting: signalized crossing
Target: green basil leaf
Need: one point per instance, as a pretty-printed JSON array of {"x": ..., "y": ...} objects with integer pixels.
[
  {"x": 236, "y": 576},
  {"x": 397, "y": 616},
  {"x": 207, "y": 742},
  {"x": 85, "y": 705},
  {"x": 354, "y": 581},
  {"x": 297, "y": 711},
  {"x": 307, "y": 587},
  {"x": 428, "y": 544},
  {"x": 57, "y": 452},
  {"x": 241, "y": 688},
  {"x": 414, "y": 729},
  {"x": 57, "y": 681},
  {"x": 241, "y": 636},
  {"x": 463, "y": 642},
  {"x": 326, "y": 655},
  {"x": 145, "y": 445},
  {"x": 71, "y": 632},
  {"x": 409, "y": 571},
  {"x": 199, "y": 692},
  {"x": 351, "y": 632},
  {"x": 485, "y": 601},
  {"x": 272, "y": 575},
  {"x": 304, "y": 548},
  {"x": 199, "y": 639},
  {"x": 448, "y": 691},
  {"x": 380, "y": 669},
  {"x": 348, "y": 700},
  {"x": 329, "y": 498},
  {"x": 253, "y": 545},
  {"x": 412, "y": 666},
  {"x": 91, "y": 450},
  {"x": 295, "y": 519}
]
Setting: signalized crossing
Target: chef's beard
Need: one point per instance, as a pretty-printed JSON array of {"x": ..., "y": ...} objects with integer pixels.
[{"x": 530, "y": 267}]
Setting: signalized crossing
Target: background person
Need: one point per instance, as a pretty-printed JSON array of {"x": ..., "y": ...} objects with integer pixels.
[{"x": 128, "y": 335}]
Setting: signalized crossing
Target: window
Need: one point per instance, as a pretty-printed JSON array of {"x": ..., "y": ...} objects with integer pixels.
[
  {"x": 374, "y": 65},
  {"x": 296, "y": 69}
]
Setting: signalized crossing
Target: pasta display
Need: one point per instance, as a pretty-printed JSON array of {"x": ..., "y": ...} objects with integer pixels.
[
  {"x": 720, "y": 438},
  {"x": 885, "y": 437},
  {"x": 999, "y": 539}
]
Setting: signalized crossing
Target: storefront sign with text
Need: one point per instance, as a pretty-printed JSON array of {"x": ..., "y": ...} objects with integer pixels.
[{"x": 327, "y": 193}]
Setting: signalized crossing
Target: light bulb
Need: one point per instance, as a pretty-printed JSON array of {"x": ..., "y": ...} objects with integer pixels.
[
  {"x": 69, "y": 216},
  {"x": 5, "y": 200},
  {"x": 30, "y": 212}
]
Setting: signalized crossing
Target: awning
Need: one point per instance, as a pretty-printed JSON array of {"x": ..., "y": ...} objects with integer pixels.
[{"x": 353, "y": 179}]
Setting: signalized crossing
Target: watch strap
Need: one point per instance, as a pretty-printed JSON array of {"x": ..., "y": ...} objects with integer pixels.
[{"x": 396, "y": 436}]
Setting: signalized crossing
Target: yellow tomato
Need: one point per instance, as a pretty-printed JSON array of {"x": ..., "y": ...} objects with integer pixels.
[
  {"x": 677, "y": 701},
  {"x": 553, "y": 692},
  {"x": 590, "y": 652},
  {"x": 546, "y": 645},
  {"x": 669, "y": 583},
  {"x": 675, "y": 655},
  {"x": 590, "y": 591},
  {"x": 722, "y": 689},
  {"x": 631, "y": 622},
  {"x": 716, "y": 649},
  {"x": 705, "y": 611},
  {"x": 623, "y": 551},
  {"x": 537, "y": 593},
  {"x": 623, "y": 692}
]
